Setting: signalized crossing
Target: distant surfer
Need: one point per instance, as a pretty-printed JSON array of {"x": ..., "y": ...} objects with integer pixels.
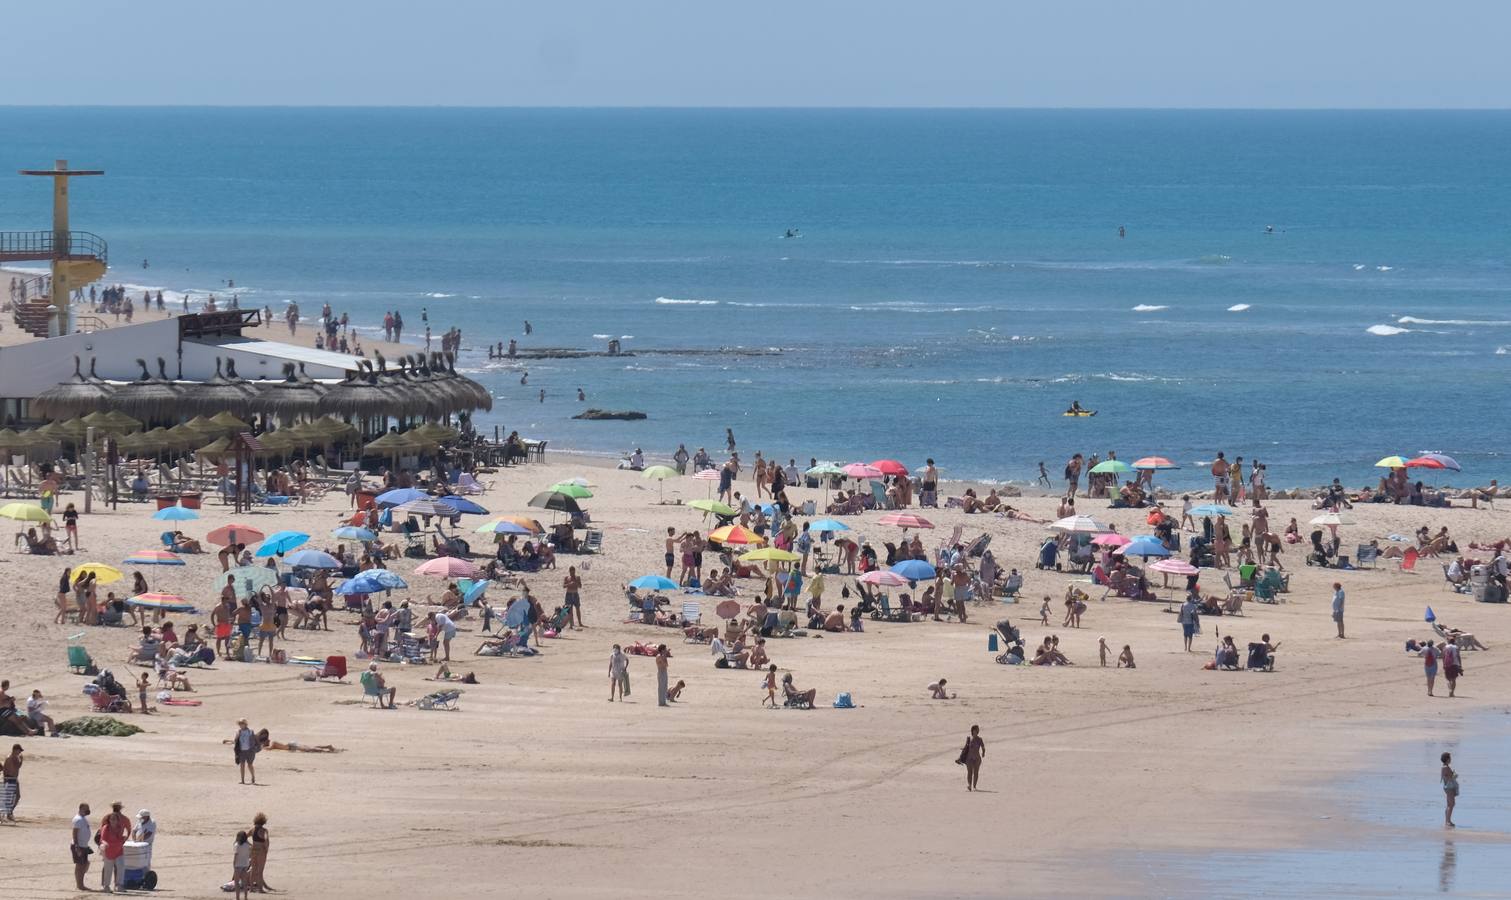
[
  {"x": 1122, "y": 231},
  {"x": 792, "y": 233},
  {"x": 1075, "y": 409},
  {"x": 1269, "y": 229}
]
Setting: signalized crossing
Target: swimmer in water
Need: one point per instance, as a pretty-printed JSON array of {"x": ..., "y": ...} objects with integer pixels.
[
  {"x": 1122, "y": 231},
  {"x": 543, "y": 395},
  {"x": 581, "y": 396},
  {"x": 1075, "y": 407},
  {"x": 525, "y": 378}
]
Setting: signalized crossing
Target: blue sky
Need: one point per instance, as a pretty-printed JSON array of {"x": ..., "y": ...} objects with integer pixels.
[{"x": 1053, "y": 53}]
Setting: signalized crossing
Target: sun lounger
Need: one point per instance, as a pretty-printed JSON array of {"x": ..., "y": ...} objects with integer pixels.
[{"x": 447, "y": 699}]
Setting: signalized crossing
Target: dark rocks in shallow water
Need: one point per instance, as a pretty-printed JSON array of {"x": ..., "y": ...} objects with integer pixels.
[{"x": 623, "y": 415}]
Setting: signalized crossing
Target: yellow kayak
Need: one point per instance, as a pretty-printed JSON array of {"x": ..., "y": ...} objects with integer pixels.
[{"x": 1080, "y": 414}]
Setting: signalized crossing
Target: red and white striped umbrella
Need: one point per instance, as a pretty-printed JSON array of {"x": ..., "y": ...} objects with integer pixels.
[
  {"x": 883, "y": 577},
  {"x": 707, "y": 474}
]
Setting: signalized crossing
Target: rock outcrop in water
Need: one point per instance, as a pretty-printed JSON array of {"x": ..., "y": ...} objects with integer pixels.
[{"x": 622, "y": 415}]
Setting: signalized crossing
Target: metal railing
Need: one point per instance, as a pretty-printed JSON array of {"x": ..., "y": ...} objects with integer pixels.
[{"x": 21, "y": 245}]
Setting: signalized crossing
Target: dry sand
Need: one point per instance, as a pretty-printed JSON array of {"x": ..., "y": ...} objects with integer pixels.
[{"x": 540, "y": 787}]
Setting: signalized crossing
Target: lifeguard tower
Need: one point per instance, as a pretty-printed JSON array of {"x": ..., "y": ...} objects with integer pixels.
[{"x": 75, "y": 258}]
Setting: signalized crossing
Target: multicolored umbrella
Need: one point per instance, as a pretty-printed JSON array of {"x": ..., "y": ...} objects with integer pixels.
[
  {"x": 884, "y": 577},
  {"x": 1173, "y": 567},
  {"x": 735, "y": 534},
  {"x": 234, "y": 533},
  {"x": 1154, "y": 462},
  {"x": 162, "y": 602},
  {"x": 1434, "y": 461},
  {"x": 1392, "y": 462},
  {"x": 428, "y": 507},
  {"x": 153, "y": 558}
]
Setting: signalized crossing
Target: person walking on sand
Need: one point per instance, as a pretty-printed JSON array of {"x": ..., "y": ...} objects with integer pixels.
[
  {"x": 115, "y": 828},
  {"x": 1338, "y": 606},
  {"x": 1187, "y": 619},
  {"x": 1430, "y": 656},
  {"x": 1453, "y": 664},
  {"x": 10, "y": 789},
  {"x": 78, "y": 845},
  {"x": 663, "y": 657},
  {"x": 1450, "y": 789},
  {"x": 246, "y": 746},
  {"x": 770, "y": 687},
  {"x": 971, "y": 756},
  {"x": 241, "y": 864},
  {"x": 619, "y": 674},
  {"x": 572, "y": 584}
]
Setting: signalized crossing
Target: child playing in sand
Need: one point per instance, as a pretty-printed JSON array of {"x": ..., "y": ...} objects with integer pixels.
[
  {"x": 1185, "y": 513},
  {"x": 1102, "y": 650},
  {"x": 937, "y": 691},
  {"x": 770, "y": 687},
  {"x": 141, "y": 692},
  {"x": 1044, "y": 611},
  {"x": 676, "y": 691},
  {"x": 1125, "y": 659}
]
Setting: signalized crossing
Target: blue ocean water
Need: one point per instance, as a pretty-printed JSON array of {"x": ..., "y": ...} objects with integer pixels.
[{"x": 958, "y": 281}]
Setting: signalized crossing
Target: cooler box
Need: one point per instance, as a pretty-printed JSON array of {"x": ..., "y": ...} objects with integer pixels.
[
  {"x": 166, "y": 500},
  {"x": 189, "y": 500}
]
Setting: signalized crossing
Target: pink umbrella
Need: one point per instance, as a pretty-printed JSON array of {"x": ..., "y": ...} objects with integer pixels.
[
  {"x": 861, "y": 470},
  {"x": 884, "y": 577},
  {"x": 889, "y": 467},
  {"x": 446, "y": 567},
  {"x": 1173, "y": 567},
  {"x": 1154, "y": 462},
  {"x": 905, "y": 520},
  {"x": 1111, "y": 539}
]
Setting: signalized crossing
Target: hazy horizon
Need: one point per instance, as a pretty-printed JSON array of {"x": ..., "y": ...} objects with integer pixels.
[{"x": 972, "y": 54}]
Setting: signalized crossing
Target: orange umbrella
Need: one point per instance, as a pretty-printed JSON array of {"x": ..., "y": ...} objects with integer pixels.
[
  {"x": 525, "y": 522},
  {"x": 735, "y": 534},
  {"x": 226, "y": 535}
]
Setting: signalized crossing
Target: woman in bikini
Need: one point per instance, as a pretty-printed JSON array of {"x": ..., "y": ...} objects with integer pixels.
[
  {"x": 971, "y": 756},
  {"x": 1450, "y": 789}
]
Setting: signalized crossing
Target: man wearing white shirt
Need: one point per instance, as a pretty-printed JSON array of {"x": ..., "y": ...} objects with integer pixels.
[{"x": 78, "y": 845}]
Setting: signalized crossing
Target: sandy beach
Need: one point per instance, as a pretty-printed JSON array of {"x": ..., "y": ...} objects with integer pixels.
[{"x": 539, "y": 784}]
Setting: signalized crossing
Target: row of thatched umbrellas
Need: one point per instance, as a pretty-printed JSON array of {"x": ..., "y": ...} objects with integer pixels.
[
  {"x": 211, "y": 436},
  {"x": 419, "y": 385}
]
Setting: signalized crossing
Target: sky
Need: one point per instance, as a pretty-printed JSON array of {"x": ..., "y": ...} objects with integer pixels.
[{"x": 874, "y": 53}]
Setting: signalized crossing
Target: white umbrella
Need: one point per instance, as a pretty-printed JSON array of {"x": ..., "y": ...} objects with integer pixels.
[{"x": 1079, "y": 525}]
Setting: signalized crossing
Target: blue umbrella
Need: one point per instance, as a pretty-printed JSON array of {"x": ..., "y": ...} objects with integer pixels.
[
  {"x": 1212, "y": 509},
  {"x": 463, "y": 505},
  {"x": 471, "y": 590},
  {"x": 372, "y": 581},
  {"x": 281, "y": 542},
  {"x": 1144, "y": 546},
  {"x": 654, "y": 583},
  {"x": 518, "y": 613},
  {"x": 503, "y": 526},
  {"x": 354, "y": 533},
  {"x": 822, "y": 525},
  {"x": 915, "y": 570},
  {"x": 312, "y": 559},
  {"x": 175, "y": 514},
  {"x": 400, "y": 495}
]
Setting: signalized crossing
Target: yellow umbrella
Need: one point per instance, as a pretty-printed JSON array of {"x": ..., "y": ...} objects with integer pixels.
[
  {"x": 103, "y": 574},
  {"x": 735, "y": 534},
  {"x": 770, "y": 554},
  {"x": 25, "y": 512},
  {"x": 1391, "y": 462}
]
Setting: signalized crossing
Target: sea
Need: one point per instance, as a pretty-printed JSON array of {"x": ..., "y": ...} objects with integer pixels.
[{"x": 1314, "y": 290}]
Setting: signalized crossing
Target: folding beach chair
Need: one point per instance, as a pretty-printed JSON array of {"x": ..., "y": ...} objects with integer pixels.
[
  {"x": 1409, "y": 560},
  {"x": 335, "y": 668},
  {"x": 593, "y": 542},
  {"x": 447, "y": 699},
  {"x": 879, "y": 494},
  {"x": 79, "y": 660},
  {"x": 1366, "y": 554},
  {"x": 692, "y": 613}
]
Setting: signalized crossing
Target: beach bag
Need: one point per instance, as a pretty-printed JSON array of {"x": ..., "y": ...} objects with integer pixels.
[{"x": 844, "y": 701}]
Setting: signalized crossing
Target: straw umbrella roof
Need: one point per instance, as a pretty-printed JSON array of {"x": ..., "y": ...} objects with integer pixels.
[
  {"x": 149, "y": 396},
  {"x": 391, "y": 442},
  {"x": 359, "y": 394},
  {"x": 184, "y": 436},
  {"x": 113, "y": 422},
  {"x": 77, "y": 395},
  {"x": 289, "y": 397},
  {"x": 217, "y": 447},
  {"x": 430, "y": 431},
  {"x": 228, "y": 421},
  {"x": 219, "y": 394}
]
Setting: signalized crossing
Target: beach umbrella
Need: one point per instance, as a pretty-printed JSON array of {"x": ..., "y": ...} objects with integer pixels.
[
  {"x": 707, "y": 474},
  {"x": 354, "y": 533},
  {"x": 861, "y": 470},
  {"x": 660, "y": 473},
  {"x": 215, "y": 448},
  {"x": 555, "y": 501},
  {"x": 281, "y": 542},
  {"x": 372, "y": 581},
  {"x": 110, "y": 422},
  {"x": 75, "y": 395},
  {"x": 312, "y": 559},
  {"x": 1111, "y": 539},
  {"x": 234, "y": 533},
  {"x": 1079, "y": 525},
  {"x": 727, "y": 609},
  {"x": 1173, "y": 567},
  {"x": 889, "y": 467},
  {"x": 446, "y": 567},
  {"x": 653, "y": 583},
  {"x": 770, "y": 554},
  {"x": 1333, "y": 520},
  {"x": 175, "y": 513},
  {"x": 161, "y": 602},
  {"x": 1430, "y": 616},
  {"x": 823, "y": 525},
  {"x": 1392, "y": 462},
  {"x": 25, "y": 512},
  {"x": 399, "y": 496},
  {"x": 575, "y": 491},
  {"x": 153, "y": 558},
  {"x": 1111, "y": 467},
  {"x": 518, "y": 612},
  {"x": 1145, "y": 546},
  {"x": 471, "y": 590},
  {"x": 915, "y": 570},
  {"x": 905, "y": 520},
  {"x": 533, "y": 526},
  {"x": 1212, "y": 509},
  {"x": 1159, "y": 463},
  {"x": 1433, "y": 461},
  {"x": 428, "y": 507},
  {"x": 825, "y": 469},
  {"x": 228, "y": 422},
  {"x": 103, "y": 574},
  {"x": 247, "y": 580},
  {"x": 884, "y": 577},
  {"x": 714, "y": 506},
  {"x": 735, "y": 534},
  {"x": 501, "y": 526}
]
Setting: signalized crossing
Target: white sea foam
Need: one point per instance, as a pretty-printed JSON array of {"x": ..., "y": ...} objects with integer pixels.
[
  {"x": 1238, "y": 307},
  {"x": 1502, "y": 350},
  {"x": 626, "y": 337},
  {"x": 1386, "y": 330},
  {"x": 1145, "y": 307},
  {"x": 673, "y": 301},
  {"x": 1359, "y": 267},
  {"x": 1413, "y": 320},
  {"x": 1383, "y": 268},
  {"x": 602, "y": 337},
  {"x": 438, "y": 296}
]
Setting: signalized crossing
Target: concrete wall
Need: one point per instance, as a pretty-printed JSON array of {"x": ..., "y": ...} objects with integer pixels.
[{"x": 28, "y": 369}]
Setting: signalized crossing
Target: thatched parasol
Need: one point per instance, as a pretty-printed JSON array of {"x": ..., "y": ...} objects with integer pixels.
[
  {"x": 434, "y": 433},
  {"x": 477, "y": 395},
  {"x": 228, "y": 422},
  {"x": 357, "y": 395},
  {"x": 215, "y": 448},
  {"x": 148, "y": 397},
  {"x": 113, "y": 422},
  {"x": 218, "y": 394},
  {"x": 289, "y": 397},
  {"x": 73, "y": 397}
]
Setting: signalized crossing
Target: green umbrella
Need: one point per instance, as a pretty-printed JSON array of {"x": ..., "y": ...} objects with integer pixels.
[
  {"x": 248, "y": 580},
  {"x": 713, "y": 506},
  {"x": 575, "y": 491},
  {"x": 1111, "y": 467},
  {"x": 660, "y": 473}
]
